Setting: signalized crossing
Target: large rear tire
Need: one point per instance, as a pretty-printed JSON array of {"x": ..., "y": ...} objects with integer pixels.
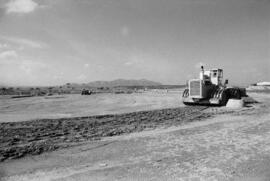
[
  {"x": 223, "y": 97},
  {"x": 236, "y": 93}
]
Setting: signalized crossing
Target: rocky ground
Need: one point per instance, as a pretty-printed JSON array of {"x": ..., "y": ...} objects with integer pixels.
[{"x": 175, "y": 144}]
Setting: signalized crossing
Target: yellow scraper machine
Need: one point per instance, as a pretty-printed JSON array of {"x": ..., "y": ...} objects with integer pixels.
[{"x": 209, "y": 89}]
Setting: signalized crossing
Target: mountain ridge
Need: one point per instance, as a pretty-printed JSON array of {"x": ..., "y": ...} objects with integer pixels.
[{"x": 123, "y": 82}]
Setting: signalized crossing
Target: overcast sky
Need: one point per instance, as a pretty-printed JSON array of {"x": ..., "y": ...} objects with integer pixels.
[{"x": 50, "y": 42}]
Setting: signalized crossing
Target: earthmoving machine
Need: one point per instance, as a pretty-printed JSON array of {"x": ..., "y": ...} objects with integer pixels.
[{"x": 209, "y": 89}]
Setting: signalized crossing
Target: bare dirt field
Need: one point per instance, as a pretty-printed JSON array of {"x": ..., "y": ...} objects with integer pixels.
[
  {"x": 34, "y": 137},
  {"x": 184, "y": 143},
  {"x": 75, "y": 105}
]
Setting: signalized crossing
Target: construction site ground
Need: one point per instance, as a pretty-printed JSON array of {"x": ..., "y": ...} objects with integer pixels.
[{"x": 188, "y": 143}]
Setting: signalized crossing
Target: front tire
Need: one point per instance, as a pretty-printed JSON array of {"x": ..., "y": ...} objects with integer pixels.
[{"x": 185, "y": 93}]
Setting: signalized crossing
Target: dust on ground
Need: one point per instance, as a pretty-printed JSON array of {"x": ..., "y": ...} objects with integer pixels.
[{"x": 227, "y": 145}]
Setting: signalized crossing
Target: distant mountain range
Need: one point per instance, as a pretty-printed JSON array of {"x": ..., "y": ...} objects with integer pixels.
[
  {"x": 123, "y": 82},
  {"x": 115, "y": 86},
  {"x": 110, "y": 84}
]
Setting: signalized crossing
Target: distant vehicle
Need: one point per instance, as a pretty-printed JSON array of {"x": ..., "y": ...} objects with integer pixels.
[
  {"x": 209, "y": 89},
  {"x": 86, "y": 92}
]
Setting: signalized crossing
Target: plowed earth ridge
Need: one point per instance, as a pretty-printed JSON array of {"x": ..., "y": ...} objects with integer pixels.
[{"x": 18, "y": 139}]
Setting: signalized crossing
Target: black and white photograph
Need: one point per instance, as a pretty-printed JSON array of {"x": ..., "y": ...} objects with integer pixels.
[{"x": 134, "y": 90}]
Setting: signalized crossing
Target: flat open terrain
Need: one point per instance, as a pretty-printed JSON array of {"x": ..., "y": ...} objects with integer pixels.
[
  {"x": 63, "y": 106},
  {"x": 184, "y": 143}
]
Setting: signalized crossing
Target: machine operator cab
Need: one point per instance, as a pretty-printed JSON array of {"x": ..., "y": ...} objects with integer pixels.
[{"x": 212, "y": 76}]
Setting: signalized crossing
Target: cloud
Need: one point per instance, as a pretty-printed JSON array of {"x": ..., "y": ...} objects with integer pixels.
[
  {"x": 86, "y": 65},
  {"x": 24, "y": 72},
  {"x": 24, "y": 42},
  {"x": 58, "y": 76},
  {"x": 134, "y": 60},
  {"x": 30, "y": 67},
  {"x": 129, "y": 63},
  {"x": 3, "y": 45},
  {"x": 81, "y": 77},
  {"x": 21, "y": 6},
  {"x": 125, "y": 31},
  {"x": 9, "y": 54},
  {"x": 11, "y": 58}
]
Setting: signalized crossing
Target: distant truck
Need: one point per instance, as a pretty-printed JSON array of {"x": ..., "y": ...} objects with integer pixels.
[
  {"x": 209, "y": 89},
  {"x": 86, "y": 92}
]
